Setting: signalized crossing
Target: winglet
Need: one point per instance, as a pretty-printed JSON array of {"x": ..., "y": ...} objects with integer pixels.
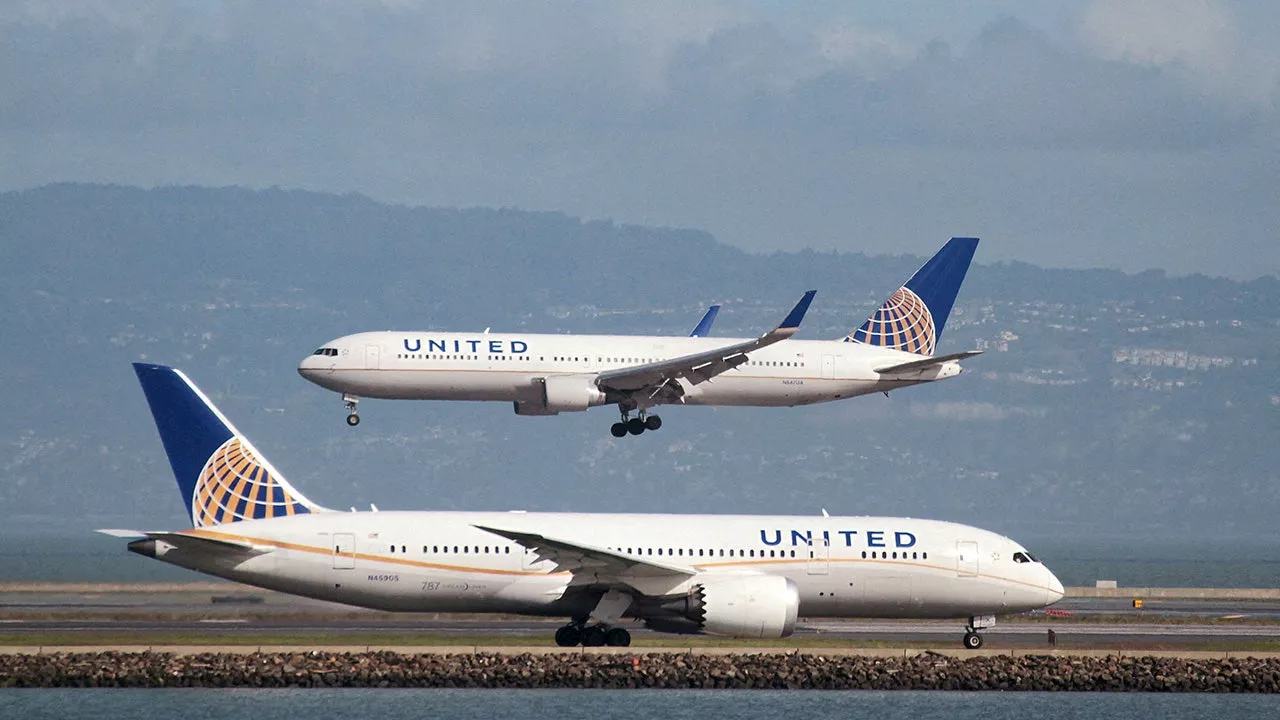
[
  {"x": 792, "y": 321},
  {"x": 704, "y": 325}
]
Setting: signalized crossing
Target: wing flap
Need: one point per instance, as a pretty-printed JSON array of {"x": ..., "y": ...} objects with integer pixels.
[{"x": 923, "y": 363}]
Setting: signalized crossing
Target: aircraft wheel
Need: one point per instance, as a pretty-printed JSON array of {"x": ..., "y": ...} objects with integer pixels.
[
  {"x": 618, "y": 429},
  {"x": 353, "y": 419},
  {"x": 972, "y": 641},
  {"x": 617, "y": 637},
  {"x": 568, "y": 636},
  {"x": 635, "y": 426},
  {"x": 593, "y": 636},
  {"x": 653, "y": 422}
]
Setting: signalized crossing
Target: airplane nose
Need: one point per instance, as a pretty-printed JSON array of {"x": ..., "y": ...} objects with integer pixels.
[
  {"x": 309, "y": 367},
  {"x": 1053, "y": 587}
]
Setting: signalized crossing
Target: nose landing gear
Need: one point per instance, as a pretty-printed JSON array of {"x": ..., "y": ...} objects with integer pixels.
[
  {"x": 972, "y": 640},
  {"x": 353, "y": 418}
]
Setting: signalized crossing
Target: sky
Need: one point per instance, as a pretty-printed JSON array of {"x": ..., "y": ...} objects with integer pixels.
[{"x": 1127, "y": 134}]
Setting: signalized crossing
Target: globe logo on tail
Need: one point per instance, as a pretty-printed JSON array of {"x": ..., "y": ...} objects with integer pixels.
[
  {"x": 902, "y": 323},
  {"x": 234, "y": 485}
]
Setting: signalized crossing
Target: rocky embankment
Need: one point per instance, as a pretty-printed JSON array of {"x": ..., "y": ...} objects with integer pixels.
[{"x": 794, "y": 671}]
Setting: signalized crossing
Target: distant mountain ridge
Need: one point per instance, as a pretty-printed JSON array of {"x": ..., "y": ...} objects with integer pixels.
[{"x": 1079, "y": 418}]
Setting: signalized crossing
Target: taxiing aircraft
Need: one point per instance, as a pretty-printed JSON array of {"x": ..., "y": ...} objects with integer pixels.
[
  {"x": 551, "y": 374},
  {"x": 731, "y": 575}
]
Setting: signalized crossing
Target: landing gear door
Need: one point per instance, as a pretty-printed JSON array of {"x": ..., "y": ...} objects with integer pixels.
[
  {"x": 966, "y": 558},
  {"x": 344, "y": 551},
  {"x": 372, "y": 357}
]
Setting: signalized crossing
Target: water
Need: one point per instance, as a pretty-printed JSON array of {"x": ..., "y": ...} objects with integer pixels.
[{"x": 596, "y": 704}]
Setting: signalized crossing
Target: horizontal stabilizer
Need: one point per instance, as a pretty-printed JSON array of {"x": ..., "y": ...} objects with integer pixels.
[
  {"x": 186, "y": 541},
  {"x": 923, "y": 363},
  {"x": 127, "y": 534}
]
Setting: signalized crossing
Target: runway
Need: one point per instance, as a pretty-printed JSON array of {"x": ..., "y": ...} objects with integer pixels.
[{"x": 227, "y": 613}]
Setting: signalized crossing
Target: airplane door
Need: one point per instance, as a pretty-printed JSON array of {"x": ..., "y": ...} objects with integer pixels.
[
  {"x": 372, "y": 357},
  {"x": 828, "y": 367},
  {"x": 344, "y": 551},
  {"x": 966, "y": 558},
  {"x": 819, "y": 557}
]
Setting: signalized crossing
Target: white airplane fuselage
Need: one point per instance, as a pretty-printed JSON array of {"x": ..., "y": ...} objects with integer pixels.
[
  {"x": 509, "y": 367},
  {"x": 439, "y": 561}
]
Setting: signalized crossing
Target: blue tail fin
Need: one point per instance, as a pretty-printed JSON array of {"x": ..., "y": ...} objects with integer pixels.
[
  {"x": 704, "y": 325},
  {"x": 913, "y": 317},
  {"x": 223, "y": 478}
]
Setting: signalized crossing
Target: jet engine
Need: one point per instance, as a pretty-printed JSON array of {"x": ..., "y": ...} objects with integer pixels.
[
  {"x": 748, "y": 606},
  {"x": 562, "y": 393}
]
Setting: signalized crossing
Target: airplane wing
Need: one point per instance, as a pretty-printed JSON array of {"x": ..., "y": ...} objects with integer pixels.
[
  {"x": 923, "y": 363},
  {"x": 576, "y": 557},
  {"x": 704, "y": 325},
  {"x": 701, "y": 367}
]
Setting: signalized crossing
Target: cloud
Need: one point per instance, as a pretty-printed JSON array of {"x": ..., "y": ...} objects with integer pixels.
[
  {"x": 1204, "y": 41},
  {"x": 1142, "y": 142}
]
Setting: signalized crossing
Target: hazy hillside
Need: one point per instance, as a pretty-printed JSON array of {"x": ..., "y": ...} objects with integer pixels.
[{"x": 1107, "y": 404}]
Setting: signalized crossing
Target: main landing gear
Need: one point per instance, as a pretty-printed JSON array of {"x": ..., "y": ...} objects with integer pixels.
[
  {"x": 635, "y": 425},
  {"x": 602, "y": 629},
  {"x": 353, "y": 419},
  {"x": 972, "y": 640},
  {"x": 575, "y": 633}
]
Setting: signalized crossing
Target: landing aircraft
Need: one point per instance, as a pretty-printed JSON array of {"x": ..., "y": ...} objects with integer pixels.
[
  {"x": 551, "y": 374},
  {"x": 746, "y": 576}
]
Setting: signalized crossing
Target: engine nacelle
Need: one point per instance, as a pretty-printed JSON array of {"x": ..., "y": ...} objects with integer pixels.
[
  {"x": 565, "y": 393},
  {"x": 532, "y": 408},
  {"x": 748, "y": 606}
]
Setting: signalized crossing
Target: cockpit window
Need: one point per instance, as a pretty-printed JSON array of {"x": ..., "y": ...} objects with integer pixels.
[
  {"x": 331, "y": 352},
  {"x": 1024, "y": 557}
]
